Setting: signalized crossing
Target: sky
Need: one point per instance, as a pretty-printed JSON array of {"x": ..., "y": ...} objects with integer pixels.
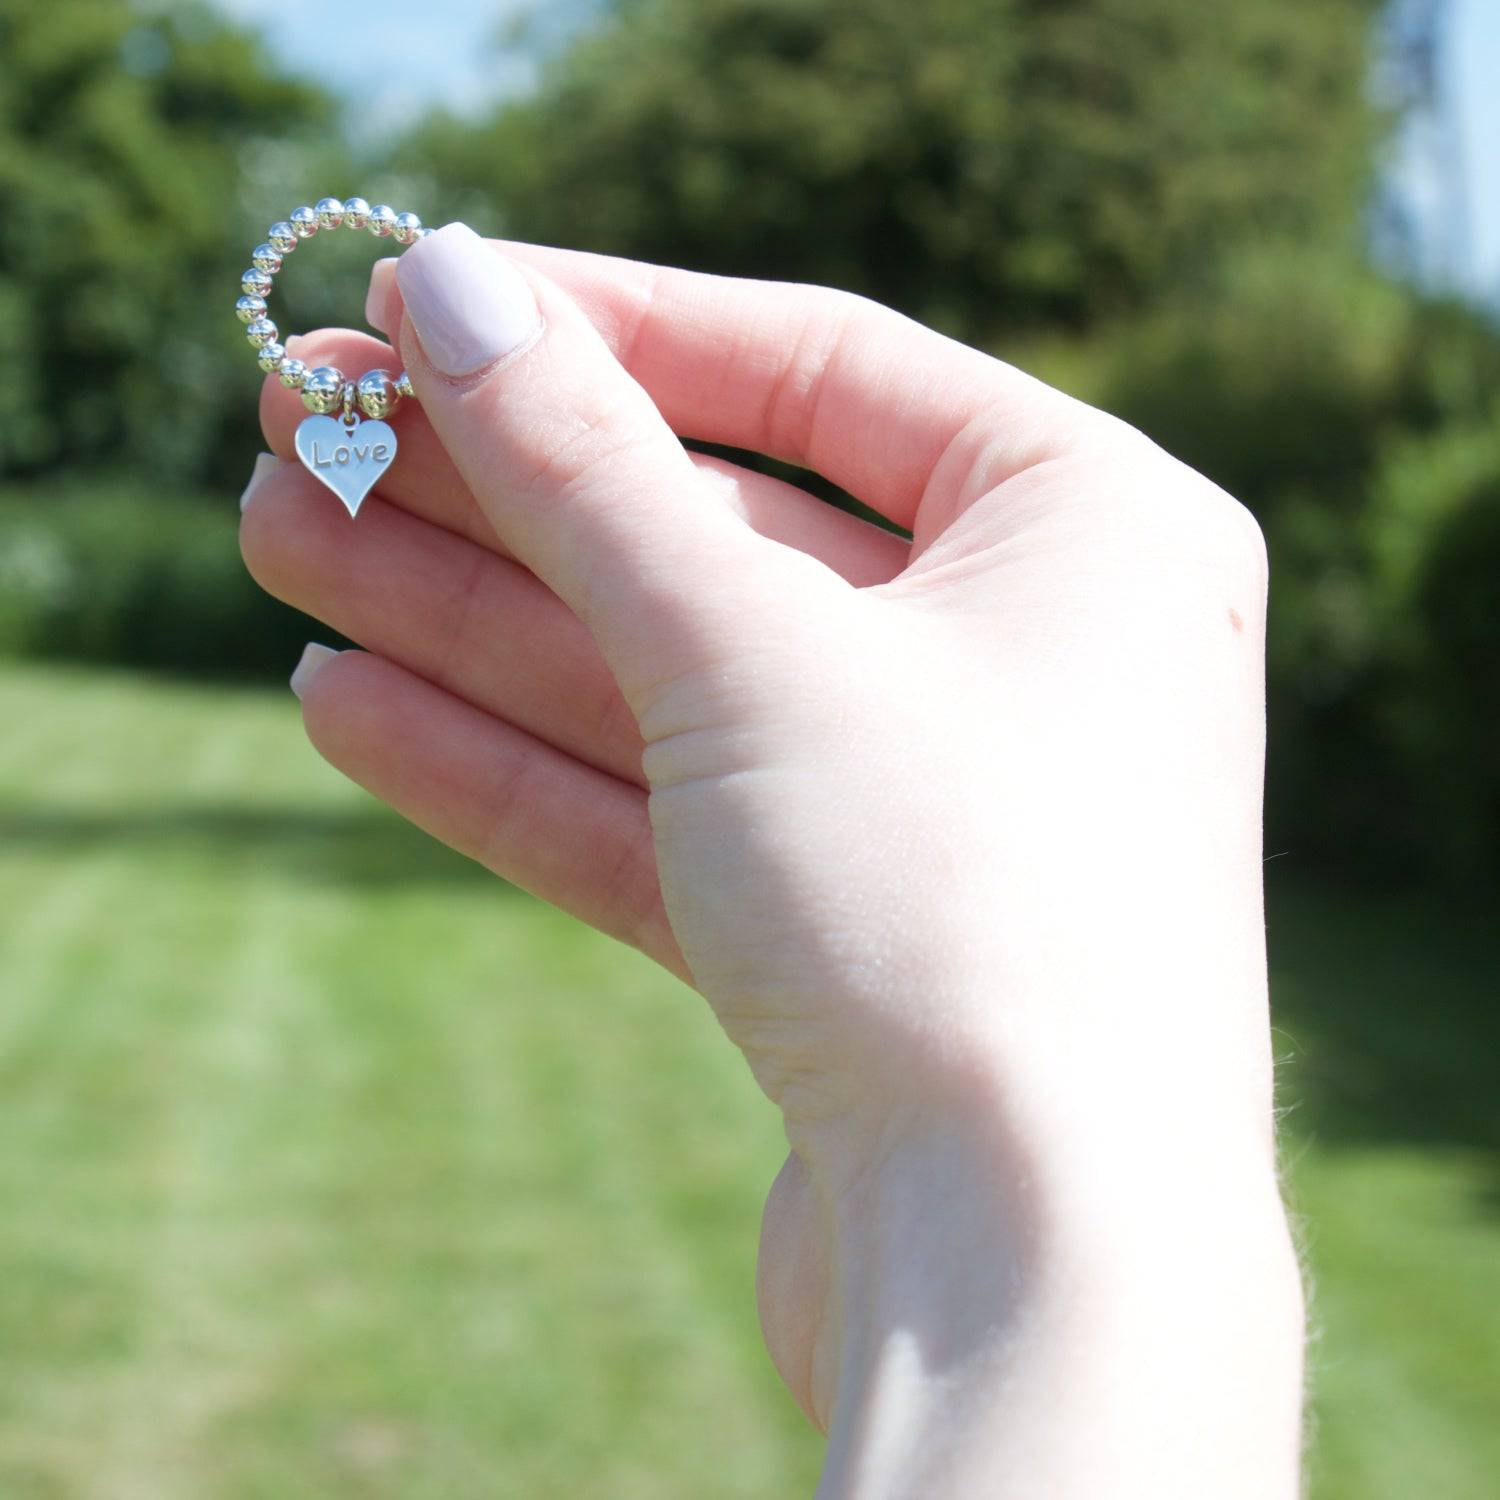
[
  {"x": 393, "y": 61},
  {"x": 396, "y": 60},
  {"x": 1476, "y": 73}
]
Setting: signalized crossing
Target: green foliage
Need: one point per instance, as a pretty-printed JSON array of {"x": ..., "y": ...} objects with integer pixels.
[
  {"x": 128, "y": 574},
  {"x": 123, "y": 138},
  {"x": 983, "y": 164},
  {"x": 1435, "y": 540},
  {"x": 1354, "y": 418}
]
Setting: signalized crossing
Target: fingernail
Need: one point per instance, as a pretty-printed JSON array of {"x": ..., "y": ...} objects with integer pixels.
[
  {"x": 469, "y": 305},
  {"x": 309, "y": 664},
  {"x": 378, "y": 298},
  {"x": 265, "y": 463}
]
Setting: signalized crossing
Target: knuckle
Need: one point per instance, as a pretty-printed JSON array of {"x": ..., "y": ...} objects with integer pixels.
[
  {"x": 1219, "y": 527},
  {"x": 824, "y": 325},
  {"x": 1243, "y": 541},
  {"x": 599, "y": 429}
]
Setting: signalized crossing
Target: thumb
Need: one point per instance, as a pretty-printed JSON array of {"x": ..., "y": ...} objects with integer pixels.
[{"x": 573, "y": 465}]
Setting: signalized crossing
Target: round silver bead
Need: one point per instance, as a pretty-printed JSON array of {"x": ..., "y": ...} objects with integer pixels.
[
  {"x": 261, "y": 332},
  {"x": 270, "y": 356},
  {"x": 292, "y": 372},
  {"x": 356, "y": 213},
  {"x": 304, "y": 222},
  {"x": 408, "y": 229},
  {"x": 266, "y": 258},
  {"x": 377, "y": 394},
  {"x": 330, "y": 212},
  {"x": 282, "y": 237},
  {"x": 323, "y": 390},
  {"x": 256, "y": 283},
  {"x": 404, "y": 385},
  {"x": 247, "y": 309},
  {"x": 382, "y": 220}
]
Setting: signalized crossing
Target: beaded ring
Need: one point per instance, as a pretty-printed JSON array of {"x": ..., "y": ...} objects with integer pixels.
[{"x": 346, "y": 442}]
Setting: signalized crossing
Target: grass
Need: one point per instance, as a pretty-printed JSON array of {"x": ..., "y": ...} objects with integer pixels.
[{"x": 332, "y": 1167}]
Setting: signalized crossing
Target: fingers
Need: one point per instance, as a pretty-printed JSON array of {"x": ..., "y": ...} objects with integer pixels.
[
  {"x": 561, "y": 830},
  {"x": 477, "y": 625},
  {"x": 576, "y": 470},
  {"x": 821, "y": 378},
  {"x": 425, "y": 482}
]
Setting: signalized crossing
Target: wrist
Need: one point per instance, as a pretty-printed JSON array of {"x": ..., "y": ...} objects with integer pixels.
[{"x": 989, "y": 1315}]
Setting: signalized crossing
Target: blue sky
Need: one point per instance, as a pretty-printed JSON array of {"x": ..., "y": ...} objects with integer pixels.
[
  {"x": 1476, "y": 71},
  {"x": 395, "y": 60}
]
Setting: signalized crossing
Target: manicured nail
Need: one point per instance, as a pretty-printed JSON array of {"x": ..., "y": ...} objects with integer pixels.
[
  {"x": 265, "y": 463},
  {"x": 309, "y": 665},
  {"x": 378, "y": 298},
  {"x": 469, "y": 305}
]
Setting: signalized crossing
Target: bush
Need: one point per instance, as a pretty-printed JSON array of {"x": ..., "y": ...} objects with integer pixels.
[
  {"x": 95, "y": 572},
  {"x": 1351, "y": 415},
  {"x": 1435, "y": 544}
]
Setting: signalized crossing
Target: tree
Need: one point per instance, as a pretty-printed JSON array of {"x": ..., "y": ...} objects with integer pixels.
[
  {"x": 123, "y": 138},
  {"x": 985, "y": 164}
]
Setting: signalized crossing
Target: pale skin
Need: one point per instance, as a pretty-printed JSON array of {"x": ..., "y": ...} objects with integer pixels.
[{"x": 959, "y": 838}]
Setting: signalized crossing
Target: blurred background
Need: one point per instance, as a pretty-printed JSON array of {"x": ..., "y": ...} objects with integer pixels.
[{"x": 333, "y": 1167}]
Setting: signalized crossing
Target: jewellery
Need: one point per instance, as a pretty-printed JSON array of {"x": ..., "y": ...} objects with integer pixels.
[{"x": 346, "y": 443}]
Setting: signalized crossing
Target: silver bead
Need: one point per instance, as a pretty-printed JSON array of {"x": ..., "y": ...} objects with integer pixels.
[
  {"x": 404, "y": 385},
  {"x": 293, "y": 372},
  {"x": 408, "y": 229},
  {"x": 270, "y": 356},
  {"x": 248, "y": 309},
  {"x": 382, "y": 220},
  {"x": 266, "y": 258},
  {"x": 377, "y": 394},
  {"x": 282, "y": 236},
  {"x": 304, "y": 222},
  {"x": 356, "y": 213},
  {"x": 256, "y": 283},
  {"x": 261, "y": 332},
  {"x": 323, "y": 390}
]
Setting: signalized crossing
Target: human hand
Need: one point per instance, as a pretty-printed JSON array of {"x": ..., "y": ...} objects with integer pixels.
[{"x": 959, "y": 839}]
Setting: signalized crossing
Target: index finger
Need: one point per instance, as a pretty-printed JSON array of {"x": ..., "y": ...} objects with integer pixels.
[{"x": 834, "y": 382}]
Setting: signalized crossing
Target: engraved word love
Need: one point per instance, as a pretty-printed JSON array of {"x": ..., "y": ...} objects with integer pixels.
[{"x": 348, "y": 461}]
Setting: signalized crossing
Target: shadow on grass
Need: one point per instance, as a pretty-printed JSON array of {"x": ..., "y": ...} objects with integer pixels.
[
  {"x": 1387, "y": 1011},
  {"x": 358, "y": 847}
]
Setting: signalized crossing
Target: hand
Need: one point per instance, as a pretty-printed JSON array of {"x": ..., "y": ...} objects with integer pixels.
[{"x": 959, "y": 838}]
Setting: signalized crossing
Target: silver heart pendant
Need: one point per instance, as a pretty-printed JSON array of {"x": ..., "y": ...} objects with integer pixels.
[{"x": 348, "y": 459}]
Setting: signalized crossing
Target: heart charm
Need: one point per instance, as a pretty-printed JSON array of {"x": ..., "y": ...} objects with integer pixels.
[{"x": 348, "y": 460}]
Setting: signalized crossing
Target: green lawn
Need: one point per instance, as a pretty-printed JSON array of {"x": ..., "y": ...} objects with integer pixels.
[{"x": 333, "y": 1168}]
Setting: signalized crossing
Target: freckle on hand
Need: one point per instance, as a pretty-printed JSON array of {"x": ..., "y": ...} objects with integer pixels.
[{"x": 1236, "y": 623}]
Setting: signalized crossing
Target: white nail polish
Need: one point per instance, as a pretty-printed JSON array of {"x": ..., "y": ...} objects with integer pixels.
[
  {"x": 309, "y": 665},
  {"x": 469, "y": 304},
  {"x": 265, "y": 463}
]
